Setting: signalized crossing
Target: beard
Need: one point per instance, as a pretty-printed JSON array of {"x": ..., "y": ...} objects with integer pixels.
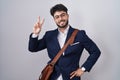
[{"x": 63, "y": 25}]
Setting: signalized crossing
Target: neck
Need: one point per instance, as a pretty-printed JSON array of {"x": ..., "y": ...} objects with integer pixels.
[{"x": 63, "y": 29}]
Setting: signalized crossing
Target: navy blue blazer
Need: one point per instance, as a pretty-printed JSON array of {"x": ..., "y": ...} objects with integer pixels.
[{"x": 70, "y": 60}]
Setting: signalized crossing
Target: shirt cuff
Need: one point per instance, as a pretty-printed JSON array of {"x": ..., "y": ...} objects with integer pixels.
[
  {"x": 34, "y": 35},
  {"x": 83, "y": 69}
]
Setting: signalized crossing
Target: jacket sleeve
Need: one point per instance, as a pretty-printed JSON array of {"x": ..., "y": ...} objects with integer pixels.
[
  {"x": 92, "y": 49},
  {"x": 35, "y": 44}
]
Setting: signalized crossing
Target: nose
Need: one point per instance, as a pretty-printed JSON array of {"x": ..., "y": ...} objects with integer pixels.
[{"x": 60, "y": 18}]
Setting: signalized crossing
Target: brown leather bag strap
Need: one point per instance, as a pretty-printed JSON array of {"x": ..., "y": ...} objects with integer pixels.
[{"x": 70, "y": 41}]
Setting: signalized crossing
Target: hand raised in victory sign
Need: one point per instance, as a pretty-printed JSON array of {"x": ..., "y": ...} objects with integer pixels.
[{"x": 37, "y": 27}]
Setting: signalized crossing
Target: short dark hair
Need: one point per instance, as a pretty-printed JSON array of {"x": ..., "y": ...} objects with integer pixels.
[{"x": 58, "y": 7}]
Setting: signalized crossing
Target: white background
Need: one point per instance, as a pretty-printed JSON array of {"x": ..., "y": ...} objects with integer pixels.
[{"x": 99, "y": 18}]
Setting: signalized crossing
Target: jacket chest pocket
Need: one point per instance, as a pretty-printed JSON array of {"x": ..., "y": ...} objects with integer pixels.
[{"x": 73, "y": 47}]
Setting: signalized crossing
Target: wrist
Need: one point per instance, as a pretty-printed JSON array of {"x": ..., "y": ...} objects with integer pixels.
[
  {"x": 83, "y": 69},
  {"x": 34, "y": 35}
]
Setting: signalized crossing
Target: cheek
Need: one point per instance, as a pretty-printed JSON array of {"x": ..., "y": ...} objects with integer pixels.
[
  {"x": 56, "y": 21},
  {"x": 65, "y": 18}
]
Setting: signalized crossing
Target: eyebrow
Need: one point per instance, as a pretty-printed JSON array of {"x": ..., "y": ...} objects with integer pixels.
[{"x": 60, "y": 14}]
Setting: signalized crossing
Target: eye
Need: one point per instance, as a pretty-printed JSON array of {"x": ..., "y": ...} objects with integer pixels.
[
  {"x": 62, "y": 15},
  {"x": 56, "y": 17}
]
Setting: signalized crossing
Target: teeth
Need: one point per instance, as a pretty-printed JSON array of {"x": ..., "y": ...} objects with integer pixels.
[{"x": 62, "y": 23}]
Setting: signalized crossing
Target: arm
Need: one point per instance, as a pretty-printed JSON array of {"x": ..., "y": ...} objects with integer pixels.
[
  {"x": 34, "y": 43},
  {"x": 93, "y": 51}
]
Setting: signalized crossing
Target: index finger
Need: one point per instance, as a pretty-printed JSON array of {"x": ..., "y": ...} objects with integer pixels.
[{"x": 38, "y": 19}]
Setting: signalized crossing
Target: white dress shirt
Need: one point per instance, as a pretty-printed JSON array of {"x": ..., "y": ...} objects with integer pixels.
[{"x": 61, "y": 39}]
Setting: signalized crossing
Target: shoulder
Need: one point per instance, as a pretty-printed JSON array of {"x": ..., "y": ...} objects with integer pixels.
[
  {"x": 81, "y": 32},
  {"x": 51, "y": 32},
  {"x": 82, "y": 35}
]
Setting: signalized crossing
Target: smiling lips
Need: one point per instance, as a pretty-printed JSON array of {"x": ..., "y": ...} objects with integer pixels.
[{"x": 62, "y": 22}]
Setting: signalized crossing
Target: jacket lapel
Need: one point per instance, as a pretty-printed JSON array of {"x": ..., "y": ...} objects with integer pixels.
[
  {"x": 69, "y": 33},
  {"x": 56, "y": 40}
]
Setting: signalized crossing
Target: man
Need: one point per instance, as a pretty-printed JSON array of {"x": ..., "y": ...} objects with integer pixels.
[{"x": 67, "y": 67}]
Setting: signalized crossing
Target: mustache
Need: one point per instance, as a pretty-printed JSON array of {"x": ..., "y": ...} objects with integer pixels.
[{"x": 62, "y": 21}]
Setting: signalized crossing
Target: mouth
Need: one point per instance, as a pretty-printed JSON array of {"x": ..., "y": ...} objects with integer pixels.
[{"x": 62, "y": 22}]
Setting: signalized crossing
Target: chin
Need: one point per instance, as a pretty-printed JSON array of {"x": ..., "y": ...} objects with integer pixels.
[{"x": 62, "y": 26}]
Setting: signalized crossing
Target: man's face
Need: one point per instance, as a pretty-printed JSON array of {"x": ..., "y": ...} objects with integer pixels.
[{"x": 61, "y": 19}]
